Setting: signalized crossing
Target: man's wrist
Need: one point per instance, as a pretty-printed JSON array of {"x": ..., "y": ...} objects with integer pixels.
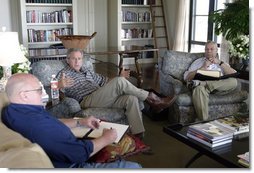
[
  {"x": 221, "y": 62},
  {"x": 78, "y": 123}
]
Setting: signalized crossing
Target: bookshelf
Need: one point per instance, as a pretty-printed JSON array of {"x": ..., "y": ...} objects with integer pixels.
[
  {"x": 41, "y": 19},
  {"x": 132, "y": 21}
]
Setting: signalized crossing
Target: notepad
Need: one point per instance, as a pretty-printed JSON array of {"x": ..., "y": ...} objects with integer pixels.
[{"x": 82, "y": 131}]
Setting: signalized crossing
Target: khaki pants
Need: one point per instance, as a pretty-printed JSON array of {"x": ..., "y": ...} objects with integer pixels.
[
  {"x": 119, "y": 93},
  {"x": 200, "y": 94}
]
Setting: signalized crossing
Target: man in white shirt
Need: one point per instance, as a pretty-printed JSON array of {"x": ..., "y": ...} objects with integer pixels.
[{"x": 202, "y": 89}]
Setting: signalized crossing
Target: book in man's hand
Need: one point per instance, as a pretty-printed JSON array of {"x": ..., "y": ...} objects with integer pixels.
[
  {"x": 85, "y": 132},
  {"x": 212, "y": 75}
]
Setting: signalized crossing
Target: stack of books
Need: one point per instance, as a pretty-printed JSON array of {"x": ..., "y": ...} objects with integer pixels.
[
  {"x": 240, "y": 125},
  {"x": 211, "y": 134},
  {"x": 244, "y": 159}
]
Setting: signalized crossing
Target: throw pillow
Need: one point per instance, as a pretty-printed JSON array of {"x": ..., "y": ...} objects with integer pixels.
[{"x": 128, "y": 146}]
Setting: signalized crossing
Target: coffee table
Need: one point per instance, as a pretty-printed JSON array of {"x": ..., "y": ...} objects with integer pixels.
[{"x": 226, "y": 154}]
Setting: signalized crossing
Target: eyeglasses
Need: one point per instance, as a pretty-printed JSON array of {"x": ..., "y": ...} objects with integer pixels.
[
  {"x": 37, "y": 90},
  {"x": 76, "y": 59}
]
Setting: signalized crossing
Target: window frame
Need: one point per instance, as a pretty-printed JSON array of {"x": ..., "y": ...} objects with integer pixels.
[{"x": 210, "y": 26}]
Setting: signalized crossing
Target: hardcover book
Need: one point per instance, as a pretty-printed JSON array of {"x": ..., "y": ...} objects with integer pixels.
[
  {"x": 212, "y": 73},
  {"x": 238, "y": 124},
  {"x": 212, "y": 130},
  {"x": 213, "y": 76}
]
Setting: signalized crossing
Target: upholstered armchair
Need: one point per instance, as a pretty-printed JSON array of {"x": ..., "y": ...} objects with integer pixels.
[
  {"x": 69, "y": 107},
  {"x": 171, "y": 69}
]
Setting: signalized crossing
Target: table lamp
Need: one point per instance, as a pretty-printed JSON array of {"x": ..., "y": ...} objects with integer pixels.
[{"x": 10, "y": 53}]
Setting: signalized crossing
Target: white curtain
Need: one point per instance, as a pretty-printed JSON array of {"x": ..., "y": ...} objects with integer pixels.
[
  {"x": 180, "y": 41},
  {"x": 224, "y": 55}
]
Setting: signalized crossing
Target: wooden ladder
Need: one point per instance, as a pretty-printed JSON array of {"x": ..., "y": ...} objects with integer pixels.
[{"x": 160, "y": 35}]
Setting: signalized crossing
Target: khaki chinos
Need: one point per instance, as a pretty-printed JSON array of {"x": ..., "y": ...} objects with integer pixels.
[
  {"x": 200, "y": 94},
  {"x": 119, "y": 93}
]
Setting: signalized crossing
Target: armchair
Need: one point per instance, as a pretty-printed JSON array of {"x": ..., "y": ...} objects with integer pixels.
[
  {"x": 69, "y": 107},
  {"x": 171, "y": 69}
]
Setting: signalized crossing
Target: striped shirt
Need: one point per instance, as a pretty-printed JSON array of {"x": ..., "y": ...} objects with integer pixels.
[{"x": 85, "y": 82}]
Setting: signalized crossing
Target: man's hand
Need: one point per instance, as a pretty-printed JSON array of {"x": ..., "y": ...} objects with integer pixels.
[
  {"x": 90, "y": 121},
  {"x": 125, "y": 73},
  {"x": 110, "y": 135},
  {"x": 65, "y": 81}
]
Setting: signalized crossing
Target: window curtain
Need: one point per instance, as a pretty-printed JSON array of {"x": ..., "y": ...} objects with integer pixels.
[
  {"x": 180, "y": 41},
  {"x": 224, "y": 47}
]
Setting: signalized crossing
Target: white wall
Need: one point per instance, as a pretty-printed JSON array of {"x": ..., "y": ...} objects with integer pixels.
[{"x": 8, "y": 15}]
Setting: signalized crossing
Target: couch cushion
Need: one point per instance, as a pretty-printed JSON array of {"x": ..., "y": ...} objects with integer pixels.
[
  {"x": 176, "y": 63},
  {"x": 3, "y": 102},
  {"x": 18, "y": 152},
  {"x": 185, "y": 99}
]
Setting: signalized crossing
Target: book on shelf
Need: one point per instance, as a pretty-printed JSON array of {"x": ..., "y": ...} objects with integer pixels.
[
  {"x": 212, "y": 130},
  {"x": 83, "y": 131},
  {"x": 238, "y": 124},
  {"x": 244, "y": 159}
]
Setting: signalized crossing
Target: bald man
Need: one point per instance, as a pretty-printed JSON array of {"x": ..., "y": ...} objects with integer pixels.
[
  {"x": 26, "y": 115},
  {"x": 202, "y": 89}
]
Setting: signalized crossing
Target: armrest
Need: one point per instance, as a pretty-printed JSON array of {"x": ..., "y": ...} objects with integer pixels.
[
  {"x": 170, "y": 85},
  {"x": 67, "y": 108}
]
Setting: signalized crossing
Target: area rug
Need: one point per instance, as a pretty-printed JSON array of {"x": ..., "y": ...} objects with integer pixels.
[{"x": 128, "y": 146}]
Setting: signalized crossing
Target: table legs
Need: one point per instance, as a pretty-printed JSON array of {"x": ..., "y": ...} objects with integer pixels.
[{"x": 138, "y": 73}]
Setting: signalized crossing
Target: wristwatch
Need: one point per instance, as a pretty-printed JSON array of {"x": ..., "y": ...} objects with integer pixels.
[
  {"x": 78, "y": 123},
  {"x": 221, "y": 62}
]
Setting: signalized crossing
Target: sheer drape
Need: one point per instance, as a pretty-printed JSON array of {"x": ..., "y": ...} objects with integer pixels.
[{"x": 180, "y": 41}]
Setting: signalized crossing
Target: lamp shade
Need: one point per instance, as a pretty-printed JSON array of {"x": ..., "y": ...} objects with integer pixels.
[{"x": 10, "y": 52}]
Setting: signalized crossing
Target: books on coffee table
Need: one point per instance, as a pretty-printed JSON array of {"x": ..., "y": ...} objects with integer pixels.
[
  {"x": 210, "y": 134},
  {"x": 238, "y": 124}
]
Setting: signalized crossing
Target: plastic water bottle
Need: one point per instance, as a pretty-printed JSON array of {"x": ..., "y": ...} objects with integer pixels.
[{"x": 54, "y": 89}]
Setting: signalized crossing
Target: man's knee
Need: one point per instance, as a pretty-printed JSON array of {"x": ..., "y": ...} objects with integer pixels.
[
  {"x": 199, "y": 90},
  {"x": 232, "y": 82}
]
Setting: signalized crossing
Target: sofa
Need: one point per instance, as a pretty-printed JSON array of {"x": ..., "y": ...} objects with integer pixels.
[
  {"x": 17, "y": 151},
  {"x": 171, "y": 69},
  {"x": 69, "y": 107}
]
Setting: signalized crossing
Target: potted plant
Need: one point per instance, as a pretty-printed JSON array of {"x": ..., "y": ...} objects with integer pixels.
[{"x": 233, "y": 23}]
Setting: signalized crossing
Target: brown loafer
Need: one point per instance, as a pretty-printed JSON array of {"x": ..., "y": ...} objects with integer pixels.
[{"x": 164, "y": 102}]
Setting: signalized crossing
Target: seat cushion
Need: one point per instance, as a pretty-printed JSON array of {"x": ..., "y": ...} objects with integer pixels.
[
  {"x": 18, "y": 152},
  {"x": 185, "y": 99}
]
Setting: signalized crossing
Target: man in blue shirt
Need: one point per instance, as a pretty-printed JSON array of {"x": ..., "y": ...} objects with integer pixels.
[{"x": 26, "y": 115}]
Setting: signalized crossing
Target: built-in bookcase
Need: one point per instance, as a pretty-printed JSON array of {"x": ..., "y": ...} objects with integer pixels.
[
  {"x": 42, "y": 20},
  {"x": 132, "y": 20}
]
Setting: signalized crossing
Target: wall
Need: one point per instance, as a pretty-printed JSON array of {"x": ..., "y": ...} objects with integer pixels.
[{"x": 8, "y": 15}]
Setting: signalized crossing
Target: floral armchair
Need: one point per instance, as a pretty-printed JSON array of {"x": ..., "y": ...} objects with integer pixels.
[
  {"x": 69, "y": 107},
  {"x": 171, "y": 69}
]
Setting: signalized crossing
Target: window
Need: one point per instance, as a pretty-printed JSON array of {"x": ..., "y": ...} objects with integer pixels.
[{"x": 201, "y": 29}]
